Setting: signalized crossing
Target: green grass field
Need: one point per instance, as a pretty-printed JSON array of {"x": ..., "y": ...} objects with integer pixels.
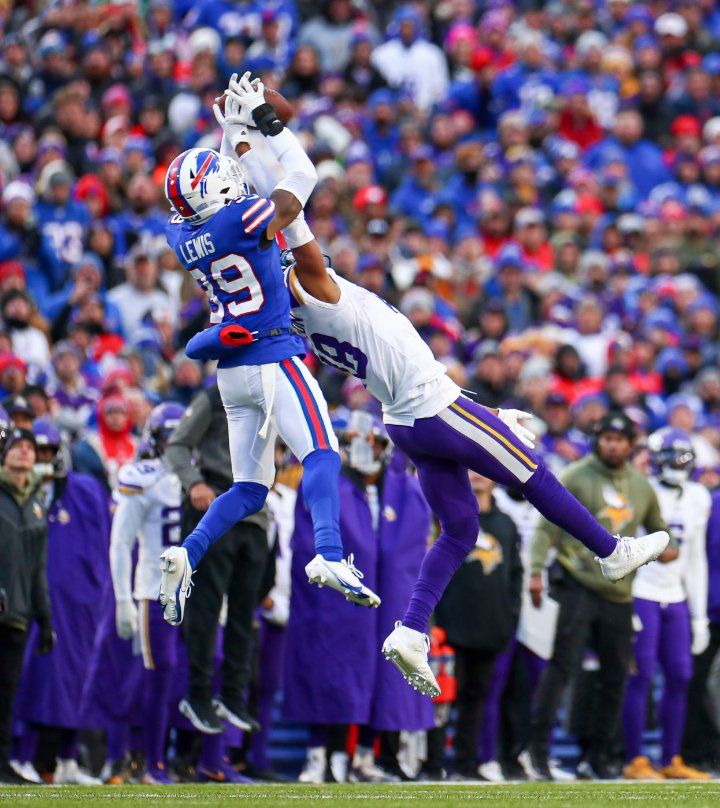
[{"x": 400, "y": 796}]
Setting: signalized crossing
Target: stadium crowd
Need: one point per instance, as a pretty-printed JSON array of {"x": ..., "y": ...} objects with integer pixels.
[{"x": 536, "y": 185}]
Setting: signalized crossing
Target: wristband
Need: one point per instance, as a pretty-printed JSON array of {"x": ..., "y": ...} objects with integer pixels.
[
  {"x": 297, "y": 233},
  {"x": 267, "y": 121}
]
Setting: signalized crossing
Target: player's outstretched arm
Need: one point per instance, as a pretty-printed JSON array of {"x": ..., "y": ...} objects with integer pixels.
[
  {"x": 310, "y": 266},
  {"x": 300, "y": 175}
]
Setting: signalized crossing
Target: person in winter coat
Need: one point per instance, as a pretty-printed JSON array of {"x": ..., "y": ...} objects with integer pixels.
[
  {"x": 78, "y": 577},
  {"x": 23, "y": 582}
]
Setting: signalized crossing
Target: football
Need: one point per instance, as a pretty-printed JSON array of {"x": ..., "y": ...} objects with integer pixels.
[{"x": 277, "y": 101}]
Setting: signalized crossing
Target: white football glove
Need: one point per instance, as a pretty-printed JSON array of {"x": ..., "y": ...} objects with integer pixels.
[
  {"x": 511, "y": 419},
  {"x": 233, "y": 121},
  {"x": 700, "y": 635},
  {"x": 251, "y": 94},
  {"x": 126, "y": 619}
]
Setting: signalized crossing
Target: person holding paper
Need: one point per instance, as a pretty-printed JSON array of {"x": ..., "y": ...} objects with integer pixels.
[{"x": 590, "y": 606}]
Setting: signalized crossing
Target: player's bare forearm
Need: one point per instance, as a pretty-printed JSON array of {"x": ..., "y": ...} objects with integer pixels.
[
  {"x": 287, "y": 209},
  {"x": 312, "y": 274}
]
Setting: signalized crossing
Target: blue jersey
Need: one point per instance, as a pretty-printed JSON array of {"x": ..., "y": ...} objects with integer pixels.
[{"x": 240, "y": 272}]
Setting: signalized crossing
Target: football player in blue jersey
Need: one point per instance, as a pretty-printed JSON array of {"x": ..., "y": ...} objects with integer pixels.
[{"x": 225, "y": 237}]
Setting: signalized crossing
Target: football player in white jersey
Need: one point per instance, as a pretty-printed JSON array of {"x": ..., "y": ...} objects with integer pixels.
[
  {"x": 670, "y": 607},
  {"x": 443, "y": 432},
  {"x": 148, "y": 510}
]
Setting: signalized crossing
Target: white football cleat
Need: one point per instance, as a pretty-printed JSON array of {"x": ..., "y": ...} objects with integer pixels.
[
  {"x": 491, "y": 771},
  {"x": 67, "y": 772},
  {"x": 175, "y": 583},
  {"x": 408, "y": 649},
  {"x": 343, "y": 576},
  {"x": 315, "y": 766},
  {"x": 632, "y": 553},
  {"x": 26, "y": 770}
]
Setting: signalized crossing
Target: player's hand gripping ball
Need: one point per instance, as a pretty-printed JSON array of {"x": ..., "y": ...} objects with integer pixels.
[{"x": 277, "y": 101}]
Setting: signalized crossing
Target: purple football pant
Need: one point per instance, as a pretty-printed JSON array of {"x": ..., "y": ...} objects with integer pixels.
[
  {"x": 665, "y": 638},
  {"x": 466, "y": 436},
  {"x": 490, "y": 727},
  {"x": 158, "y": 642}
]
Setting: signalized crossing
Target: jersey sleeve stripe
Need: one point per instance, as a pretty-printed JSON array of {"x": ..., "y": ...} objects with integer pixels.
[
  {"x": 266, "y": 214},
  {"x": 295, "y": 287},
  {"x": 129, "y": 489},
  {"x": 253, "y": 208}
]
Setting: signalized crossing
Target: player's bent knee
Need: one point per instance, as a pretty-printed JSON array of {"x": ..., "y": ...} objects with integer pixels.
[
  {"x": 322, "y": 461},
  {"x": 463, "y": 532},
  {"x": 250, "y": 496}
]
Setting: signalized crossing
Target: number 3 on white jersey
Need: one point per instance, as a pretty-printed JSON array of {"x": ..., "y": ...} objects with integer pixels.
[{"x": 245, "y": 285}]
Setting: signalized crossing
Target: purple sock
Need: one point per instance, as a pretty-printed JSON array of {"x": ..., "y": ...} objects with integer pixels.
[
  {"x": 560, "y": 507},
  {"x": 117, "y": 740},
  {"x": 155, "y": 712},
  {"x": 441, "y": 562}
]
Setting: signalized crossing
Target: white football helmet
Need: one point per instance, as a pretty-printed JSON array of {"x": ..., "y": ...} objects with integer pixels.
[{"x": 199, "y": 182}]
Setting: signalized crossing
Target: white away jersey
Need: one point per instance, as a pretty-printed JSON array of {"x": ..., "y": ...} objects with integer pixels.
[
  {"x": 148, "y": 498},
  {"x": 686, "y": 510},
  {"x": 363, "y": 335}
]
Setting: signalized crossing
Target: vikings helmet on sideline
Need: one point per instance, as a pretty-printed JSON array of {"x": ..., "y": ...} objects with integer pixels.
[
  {"x": 53, "y": 459},
  {"x": 200, "y": 182},
  {"x": 160, "y": 425},
  {"x": 672, "y": 456}
]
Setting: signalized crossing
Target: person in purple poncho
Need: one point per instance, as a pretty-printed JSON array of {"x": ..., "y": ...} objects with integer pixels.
[{"x": 384, "y": 516}]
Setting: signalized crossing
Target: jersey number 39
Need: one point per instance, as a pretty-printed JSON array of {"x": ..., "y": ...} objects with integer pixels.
[{"x": 232, "y": 276}]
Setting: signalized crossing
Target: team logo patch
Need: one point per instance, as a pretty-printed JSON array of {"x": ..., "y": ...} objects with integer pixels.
[
  {"x": 63, "y": 516},
  {"x": 389, "y": 513},
  {"x": 618, "y": 511},
  {"x": 488, "y": 552}
]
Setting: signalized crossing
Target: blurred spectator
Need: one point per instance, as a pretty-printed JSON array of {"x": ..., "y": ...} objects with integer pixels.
[
  {"x": 101, "y": 453},
  {"x": 28, "y": 341},
  {"x": 141, "y": 293},
  {"x": 409, "y": 62},
  {"x": 23, "y": 582},
  {"x": 77, "y": 572}
]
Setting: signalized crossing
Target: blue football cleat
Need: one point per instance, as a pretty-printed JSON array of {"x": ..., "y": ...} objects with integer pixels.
[{"x": 342, "y": 576}]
